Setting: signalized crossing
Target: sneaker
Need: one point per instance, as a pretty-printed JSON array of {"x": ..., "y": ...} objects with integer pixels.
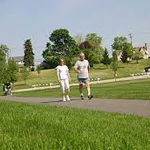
[
  {"x": 82, "y": 97},
  {"x": 90, "y": 97},
  {"x": 64, "y": 99},
  {"x": 67, "y": 98}
]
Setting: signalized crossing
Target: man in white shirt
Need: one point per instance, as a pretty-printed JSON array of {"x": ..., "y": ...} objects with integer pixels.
[
  {"x": 82, "y": 67},
  {"x": 63, "y": 77}
]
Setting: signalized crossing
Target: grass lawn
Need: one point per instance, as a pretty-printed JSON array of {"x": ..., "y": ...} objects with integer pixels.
[
  {"x": 34, "y": 127},
  {"x": 99, "y": 71},
  {"x": 135, "y": 89}
]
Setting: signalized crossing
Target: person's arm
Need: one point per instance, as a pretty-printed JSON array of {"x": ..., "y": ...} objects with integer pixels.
[
  {"x": 58, "y": 76},
  {"x": 76, "y": 68},
  {"x": 89, "y": 69},
  {"x": 68, "y": 74}
]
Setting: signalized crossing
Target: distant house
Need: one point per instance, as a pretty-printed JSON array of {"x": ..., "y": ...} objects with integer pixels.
[
  {"x": 119, "y": 53},
  {"x": 144, "y": 50},
  {"x": 18, "y": 60}
]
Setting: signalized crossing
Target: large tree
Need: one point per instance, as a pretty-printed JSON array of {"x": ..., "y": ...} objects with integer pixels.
[
  {"x": 28, "y": 54},
  {"x": 96, "y": 42},
  {"x": 61, "y": 45}
]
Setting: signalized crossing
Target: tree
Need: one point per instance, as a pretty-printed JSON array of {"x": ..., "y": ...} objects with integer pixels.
[
  {"x": 3, "y": 65},
  {"x": 127, "y": 52},
  {"x": 28, "y": 54},
  {"x": 38, "y": 69},
  {"x": 25, "y": 74},
  {"x": 94, "y": 39},
  {"x": 61, "y": 45},
  {"x": 106, "y": 60},
  {"x": 8, "y": 71},
  {"x": 129, "y": 48},
  {"x": 114, "y": 56},
  {"x": 90, "y": 56},
  {"x": 85, "y": 45},
  {"x": 96, "y": 42},
  {"x": 48, "y": 51},
  {"x": 119, "y": 43},
  {"x": 86, "y": 48},
  {"x": 68, "y": 62},
  {"x": 124, "y": 56},
  {"x": 12, "y": 71},
  {"x": 3, "y": 53},
  {"x": 114, "y": 64}
]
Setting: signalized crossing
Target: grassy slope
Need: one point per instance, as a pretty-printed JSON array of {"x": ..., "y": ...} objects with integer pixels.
[
  {"x": 25, "y": 126},
  {"x": 49, "y": 76},
  {"x": 135, "y": 89}
]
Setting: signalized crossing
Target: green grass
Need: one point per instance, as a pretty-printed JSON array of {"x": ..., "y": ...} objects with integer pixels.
[
  {"x": 135, "y": 89},
  {"x": 34, "y": 127},
  {"x": 99, "y": 70}
]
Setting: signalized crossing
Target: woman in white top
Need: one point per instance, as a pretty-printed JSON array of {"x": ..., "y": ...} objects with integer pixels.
[{"x": 64, "y": 79}]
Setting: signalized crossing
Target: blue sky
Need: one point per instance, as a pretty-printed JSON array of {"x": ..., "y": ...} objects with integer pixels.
[{"x": 36, "y": 19}]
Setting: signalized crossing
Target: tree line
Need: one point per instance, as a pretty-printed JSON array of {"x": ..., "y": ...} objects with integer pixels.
[{"x": 62, "y": 44}]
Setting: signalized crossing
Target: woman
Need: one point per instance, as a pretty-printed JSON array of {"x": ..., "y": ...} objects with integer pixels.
[{"x": 64, "y": 79}]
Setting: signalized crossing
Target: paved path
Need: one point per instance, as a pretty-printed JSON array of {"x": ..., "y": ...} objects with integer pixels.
[{"x": 137, "y": 107}]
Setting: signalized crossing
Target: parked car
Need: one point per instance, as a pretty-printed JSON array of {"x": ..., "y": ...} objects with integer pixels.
[{"x": 147, "y": 69}]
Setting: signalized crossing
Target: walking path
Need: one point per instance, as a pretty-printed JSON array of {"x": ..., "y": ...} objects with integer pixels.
[
  {"x": 136, "y": 107},
  {"x": 93, "y": 82}
]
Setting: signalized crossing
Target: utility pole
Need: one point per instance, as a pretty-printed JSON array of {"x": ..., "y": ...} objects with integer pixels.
[
  {"x": 7, "y": 56},
  {"x": 131, "y": 38}
]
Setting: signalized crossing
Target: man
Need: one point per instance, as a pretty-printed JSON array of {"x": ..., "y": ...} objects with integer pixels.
[
  {"x": 63, "y": 77},
  {"x": 82, "y": 69}
]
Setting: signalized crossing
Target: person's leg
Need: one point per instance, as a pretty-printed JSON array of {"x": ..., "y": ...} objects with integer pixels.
[
  {"x": 67, "y": 89},
  {"x": 62, "y": 84},
  {"x": 81, "y": 88},
  {"x": 7, "y": 93},
  {"x": 88, "y": 89},
  {"x": 81, "y": 91},
  {"x": 10, "y": 91}
]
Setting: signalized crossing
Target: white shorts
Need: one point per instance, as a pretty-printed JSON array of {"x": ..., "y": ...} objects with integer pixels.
[{"x": 65, "y": 87}]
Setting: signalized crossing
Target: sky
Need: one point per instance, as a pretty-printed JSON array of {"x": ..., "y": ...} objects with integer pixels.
[{"x": 37, "y": 19}]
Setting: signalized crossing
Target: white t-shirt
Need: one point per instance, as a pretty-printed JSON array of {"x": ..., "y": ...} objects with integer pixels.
[
  {"x": 62, "y": 72},
  {"x": 83, "y": 67}
]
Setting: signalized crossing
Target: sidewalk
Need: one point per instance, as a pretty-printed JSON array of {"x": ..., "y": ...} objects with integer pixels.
[{"x": 124, "y": 106}]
